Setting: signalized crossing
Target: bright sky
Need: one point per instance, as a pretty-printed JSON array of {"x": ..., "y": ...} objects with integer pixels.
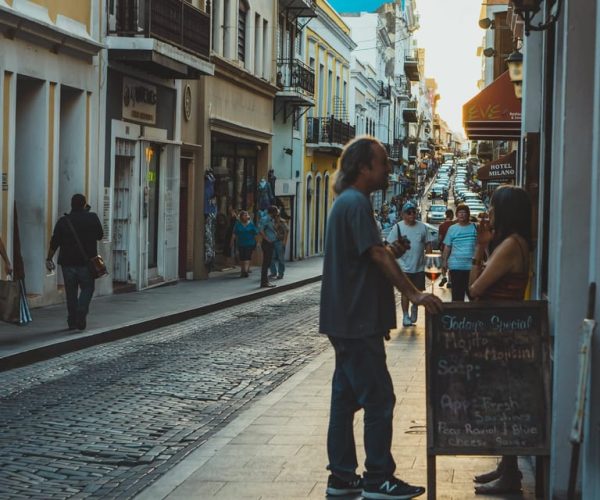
[{"x": 450, "y": 35}]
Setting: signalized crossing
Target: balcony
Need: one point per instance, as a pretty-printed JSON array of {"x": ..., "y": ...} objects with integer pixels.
[
  {"x": 395, "y": 152},
  {"x": 411, "y": 66},
  {"x": 299, "y": 8},
  {"x": 409, "y": 113},
  {"x": 296, "y": 82},
  {"x": 328, "y": 133},
  {"x": 168, "y": 38},
  {"x": 402, "y": 87}
]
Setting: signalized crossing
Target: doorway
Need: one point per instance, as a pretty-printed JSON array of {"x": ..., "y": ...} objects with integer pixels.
[
  {"x": 151, "y": 205},
  {"x": 185, "y": 169}
]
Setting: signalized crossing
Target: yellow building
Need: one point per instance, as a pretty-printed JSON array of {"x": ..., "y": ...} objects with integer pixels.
[{"x": 328, "y": 51}]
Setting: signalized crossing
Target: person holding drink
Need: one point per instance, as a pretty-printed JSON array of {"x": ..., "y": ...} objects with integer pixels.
[{"x": 506, "y": 238}]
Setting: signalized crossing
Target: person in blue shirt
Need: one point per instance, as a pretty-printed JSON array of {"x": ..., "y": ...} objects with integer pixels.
[
  {"x": 266, "y": 228},
  {"x": 459, "y": 247},
  {"x": 244, "y": 234}
]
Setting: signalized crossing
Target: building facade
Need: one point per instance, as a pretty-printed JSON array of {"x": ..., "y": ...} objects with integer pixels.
[
  {"x": 51, "y": 101},
  {"x": 327, "y": 127},
  {"x": 148, "y": 56}
]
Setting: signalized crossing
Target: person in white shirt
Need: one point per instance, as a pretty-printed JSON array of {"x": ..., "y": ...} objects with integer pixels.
[{"x": 413, "y": 260}]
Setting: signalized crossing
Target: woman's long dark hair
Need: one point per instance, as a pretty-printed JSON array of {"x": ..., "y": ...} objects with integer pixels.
[{"x": 512, "y": 214}]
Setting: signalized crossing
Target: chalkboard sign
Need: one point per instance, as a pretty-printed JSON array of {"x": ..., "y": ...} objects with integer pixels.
[{"x": 488, "y": 388}]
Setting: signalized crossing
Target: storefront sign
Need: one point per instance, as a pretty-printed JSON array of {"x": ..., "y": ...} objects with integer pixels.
[
  {"x": 502, "y": 169},
  {"x": 139, "y": 101}
]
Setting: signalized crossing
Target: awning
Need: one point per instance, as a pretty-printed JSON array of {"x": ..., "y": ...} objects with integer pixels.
[
  {"x": 501, "y": 170},
  {"x": 494, "y": 113}
]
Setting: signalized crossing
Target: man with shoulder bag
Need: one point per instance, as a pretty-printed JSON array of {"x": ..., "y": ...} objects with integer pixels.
[{"x": 77, "y": 234}]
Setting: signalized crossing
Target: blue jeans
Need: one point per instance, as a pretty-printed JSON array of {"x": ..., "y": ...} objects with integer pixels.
[
  {"x": 79, "y": 288},
  {"x": 279, "y": 256},
  {"x": 361, "y": 380}
]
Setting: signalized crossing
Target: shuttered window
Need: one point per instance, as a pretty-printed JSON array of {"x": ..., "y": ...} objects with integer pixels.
[{"x": 243, "y": 9}]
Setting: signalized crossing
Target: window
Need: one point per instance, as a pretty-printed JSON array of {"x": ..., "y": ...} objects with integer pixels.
[{"x": 241, "y": 43}]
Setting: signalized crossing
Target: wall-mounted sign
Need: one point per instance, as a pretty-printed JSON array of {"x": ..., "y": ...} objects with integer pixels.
[{"x": 139, "y": 101}]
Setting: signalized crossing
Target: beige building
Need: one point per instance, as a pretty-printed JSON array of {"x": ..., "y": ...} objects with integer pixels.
[
  {"x": 235, "y": 111},
  {"x": 50, "y": 101}
]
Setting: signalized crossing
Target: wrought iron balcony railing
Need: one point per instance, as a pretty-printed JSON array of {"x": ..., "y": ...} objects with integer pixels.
[
  {"x": 172, "y": 21},
  {"x": 295, "y": 76},
  {"x": 329, "y": 130}
]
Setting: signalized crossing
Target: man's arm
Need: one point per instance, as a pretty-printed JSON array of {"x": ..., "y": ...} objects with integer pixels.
[{"x": 385, "y": 260}]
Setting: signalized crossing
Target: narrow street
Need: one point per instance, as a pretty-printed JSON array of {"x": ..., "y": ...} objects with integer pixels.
[{"x": 107, "y": 421}]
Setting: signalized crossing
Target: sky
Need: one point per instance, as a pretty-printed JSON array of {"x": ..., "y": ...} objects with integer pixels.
[{"x": 450, "y": 35}]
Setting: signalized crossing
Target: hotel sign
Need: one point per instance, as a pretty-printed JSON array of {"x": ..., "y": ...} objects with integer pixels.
[{"x": 139, "y": 101}]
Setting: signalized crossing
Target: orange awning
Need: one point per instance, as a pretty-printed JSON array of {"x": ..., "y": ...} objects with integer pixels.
[
  {"x": 501, "y": 170},
  {"x": 494, "y": 113}
]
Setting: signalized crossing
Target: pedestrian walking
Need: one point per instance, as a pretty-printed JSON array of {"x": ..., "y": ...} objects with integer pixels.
[
  {"x": 269, "y": 236},
  {"x": 278, "y": 260},
  {"x": 78, "y": 278},
  {"x": 442, "y": 230},
  {"x": 459, "y": 246},
  {"x": 357, "y": 312},
  {"x": 506, "y": 236},
  {"x": 412, "y": 261},
  {"x": 243, "y": 236}
]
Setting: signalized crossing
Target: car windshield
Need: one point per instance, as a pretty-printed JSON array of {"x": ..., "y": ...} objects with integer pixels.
[{"x": 438, "y": 208}]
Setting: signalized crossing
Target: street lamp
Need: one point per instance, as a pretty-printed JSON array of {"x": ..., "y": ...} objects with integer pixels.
[
  {"x": 515, "y": 71},
  {"x": 527, "y": 9}
]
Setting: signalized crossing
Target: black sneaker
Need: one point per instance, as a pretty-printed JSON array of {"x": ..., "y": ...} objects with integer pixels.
[
  {"x": 338, "y": 487},
  {"x": 392, "y": 488}
]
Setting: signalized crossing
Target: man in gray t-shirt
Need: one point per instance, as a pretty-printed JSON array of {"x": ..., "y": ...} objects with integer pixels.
[
  {"x": 357, "y": 312},
  {"x": 413, "y": 260}
]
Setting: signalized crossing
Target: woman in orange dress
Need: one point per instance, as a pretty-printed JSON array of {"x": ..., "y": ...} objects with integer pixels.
[{"x": 506, "y": 238}]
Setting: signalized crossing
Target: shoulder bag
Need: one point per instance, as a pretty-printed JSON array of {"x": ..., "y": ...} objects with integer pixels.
[{"x": 95, "y": 264}]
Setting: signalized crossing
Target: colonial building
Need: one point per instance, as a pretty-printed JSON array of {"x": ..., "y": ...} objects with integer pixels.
[
  {"x": 328, "y": 127},
  {"x": 151, "y": 48},
  {"x": 50, "y": 102},
  {"x": 295, "y": 81},
  {"x": 236, "y": 120}
]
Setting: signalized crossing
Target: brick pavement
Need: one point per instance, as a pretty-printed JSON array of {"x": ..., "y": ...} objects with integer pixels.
[
  {"x": 276, "y": 449},
  {"x": 105, "y": 422},
  {"x": 117, "y": 316}
]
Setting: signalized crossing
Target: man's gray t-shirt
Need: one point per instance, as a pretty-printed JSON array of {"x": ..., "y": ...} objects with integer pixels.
[
  {"x": 413, "y": 260},
  {"x": 357, "y": 300}
]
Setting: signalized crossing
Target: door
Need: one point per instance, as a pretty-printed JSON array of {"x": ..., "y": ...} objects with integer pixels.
[
  {"x": 122, "y": 212},
  {"x": 152, "y": 202},
  {"x": 183, "y": 217}
]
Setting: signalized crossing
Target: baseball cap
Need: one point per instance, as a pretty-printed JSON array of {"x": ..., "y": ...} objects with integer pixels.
[{"x": 409, "y": 205}]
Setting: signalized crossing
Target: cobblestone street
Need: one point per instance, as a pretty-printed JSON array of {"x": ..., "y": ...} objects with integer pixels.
[{"x": 109, "y": 420}]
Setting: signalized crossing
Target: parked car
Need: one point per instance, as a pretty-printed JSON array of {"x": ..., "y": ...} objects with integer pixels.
[{"x": 436, "y": 213}]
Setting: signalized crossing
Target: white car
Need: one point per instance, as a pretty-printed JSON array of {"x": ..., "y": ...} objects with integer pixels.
[{"x": 436, "y": 214}]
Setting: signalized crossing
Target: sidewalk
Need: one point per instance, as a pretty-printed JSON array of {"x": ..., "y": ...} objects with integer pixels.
[
  {"x": 117, "y": 316},
  {"x": 277, "y": 448}
]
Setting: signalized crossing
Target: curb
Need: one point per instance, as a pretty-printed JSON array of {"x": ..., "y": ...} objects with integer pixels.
[{"x": 118, "y": 332}]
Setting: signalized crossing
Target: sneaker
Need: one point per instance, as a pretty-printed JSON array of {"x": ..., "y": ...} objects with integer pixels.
[
  {"x": 414, "y": 313},
  {"x": 392, "y": 488},
  {"x": 443, "y": 281},
  {"x": 272, "y": 276},
  {"x": 406, "y": 321},
  {"x": 338, "y": 487}
]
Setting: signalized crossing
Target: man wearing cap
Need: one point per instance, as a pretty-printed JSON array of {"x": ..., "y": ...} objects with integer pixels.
[{"x": 413, "y": 260}]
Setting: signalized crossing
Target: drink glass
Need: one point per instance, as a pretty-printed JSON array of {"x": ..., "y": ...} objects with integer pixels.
[{"x": 433, "y": 267}]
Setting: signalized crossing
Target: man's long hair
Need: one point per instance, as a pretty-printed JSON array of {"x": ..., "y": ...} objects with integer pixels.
[{"x": 357, "y": 154}]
